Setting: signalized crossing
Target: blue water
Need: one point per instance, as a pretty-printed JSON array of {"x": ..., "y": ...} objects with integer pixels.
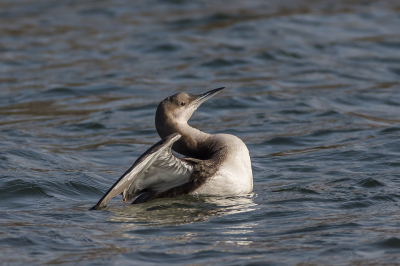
[{"x": 312, "y": 88}]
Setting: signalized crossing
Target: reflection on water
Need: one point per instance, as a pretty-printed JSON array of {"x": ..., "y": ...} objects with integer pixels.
[
  {"x": 181, "y": 210},
  {"x": 185, "y": 224}
]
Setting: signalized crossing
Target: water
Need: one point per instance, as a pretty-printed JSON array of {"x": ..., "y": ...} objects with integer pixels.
[{"x": 312, "y": 87}]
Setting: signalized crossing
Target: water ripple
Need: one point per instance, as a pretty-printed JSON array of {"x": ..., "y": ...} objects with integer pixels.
[{"x": 311, "y": 87}]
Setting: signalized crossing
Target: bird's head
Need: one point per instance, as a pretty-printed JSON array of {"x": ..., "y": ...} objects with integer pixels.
[{"x": 179, "y": 107}]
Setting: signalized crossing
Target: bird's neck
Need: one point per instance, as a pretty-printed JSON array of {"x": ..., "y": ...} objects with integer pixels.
[{"x": 193, "y": 142}]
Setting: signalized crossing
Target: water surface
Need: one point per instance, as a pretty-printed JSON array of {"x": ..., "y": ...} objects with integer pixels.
[{"x": 312, "y": 88}]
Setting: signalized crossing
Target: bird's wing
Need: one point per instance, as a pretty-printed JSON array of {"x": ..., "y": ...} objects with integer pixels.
[{"x": 157, "y": 170}]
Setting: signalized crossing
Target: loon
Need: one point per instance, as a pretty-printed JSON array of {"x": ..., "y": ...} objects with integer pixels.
[{"x": 214, "y": 165}]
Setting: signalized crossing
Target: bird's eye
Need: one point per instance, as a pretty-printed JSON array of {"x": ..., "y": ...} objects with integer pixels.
[{"x": 183, "y": 103}]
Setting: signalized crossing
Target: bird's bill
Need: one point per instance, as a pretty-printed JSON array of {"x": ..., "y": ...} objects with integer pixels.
[{"x": 207, "y": 95}]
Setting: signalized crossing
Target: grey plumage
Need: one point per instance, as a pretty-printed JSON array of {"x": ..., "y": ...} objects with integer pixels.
[
  {"x": 160, "y": 174},
  {"x": 157, "y": 159}
]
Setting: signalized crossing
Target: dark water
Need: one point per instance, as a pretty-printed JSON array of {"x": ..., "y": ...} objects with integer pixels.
[{"x": 312, "y": 89}]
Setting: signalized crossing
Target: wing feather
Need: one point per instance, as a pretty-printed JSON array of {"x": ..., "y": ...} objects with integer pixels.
[{"x": 157, "y": 169}]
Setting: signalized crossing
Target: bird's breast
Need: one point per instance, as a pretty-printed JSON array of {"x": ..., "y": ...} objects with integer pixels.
[{"x": 234, "y": 174}]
